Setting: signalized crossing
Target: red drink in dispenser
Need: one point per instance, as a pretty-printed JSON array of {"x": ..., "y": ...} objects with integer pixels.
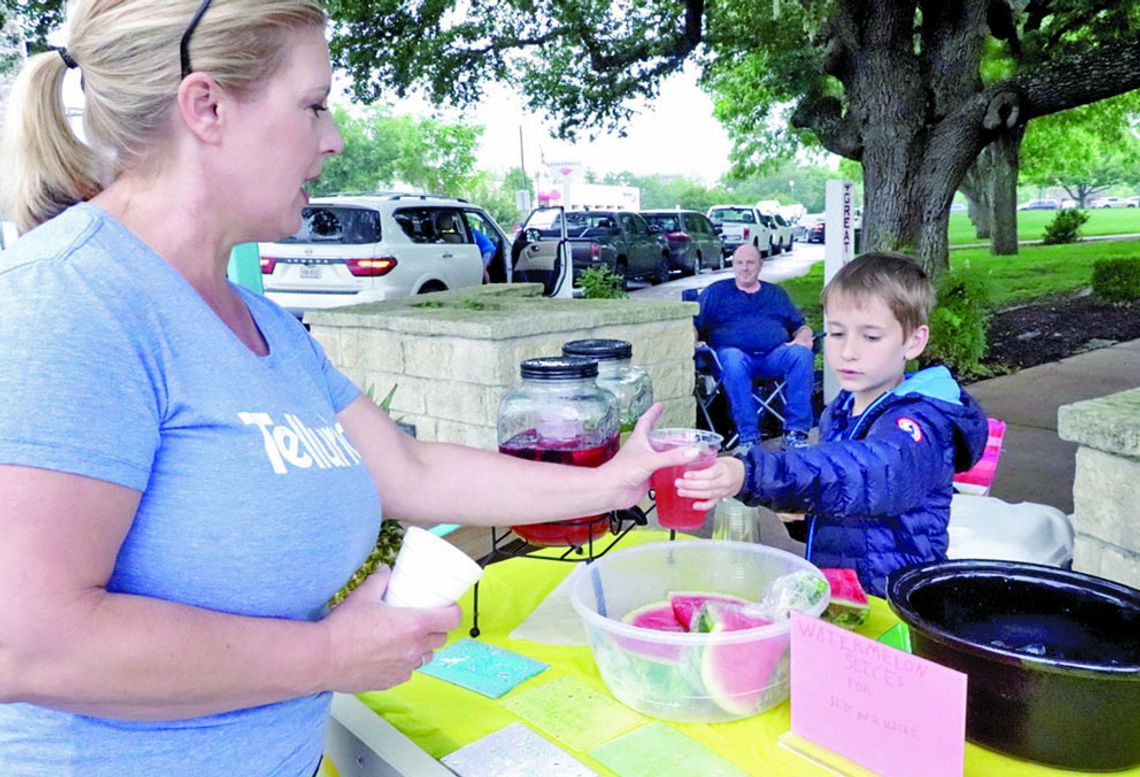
[
  {"x": 560, "y": 415},
  {"x": 577, "y": 531}
]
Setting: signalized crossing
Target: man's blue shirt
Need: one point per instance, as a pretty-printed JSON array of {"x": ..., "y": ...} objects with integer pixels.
[{"x": 757, "y": 322}]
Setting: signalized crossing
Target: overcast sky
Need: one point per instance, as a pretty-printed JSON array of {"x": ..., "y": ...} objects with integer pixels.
[{"x": 675, "y": 134}]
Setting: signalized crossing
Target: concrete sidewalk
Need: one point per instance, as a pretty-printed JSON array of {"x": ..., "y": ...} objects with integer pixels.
[{"x": 1036, "y": 465}]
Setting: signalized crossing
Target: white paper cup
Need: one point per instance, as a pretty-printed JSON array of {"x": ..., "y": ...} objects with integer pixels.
[{"x": 429, "y": 572}]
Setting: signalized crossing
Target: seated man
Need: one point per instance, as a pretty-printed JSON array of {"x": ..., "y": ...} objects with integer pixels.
[{"x": 757, "y": 332}]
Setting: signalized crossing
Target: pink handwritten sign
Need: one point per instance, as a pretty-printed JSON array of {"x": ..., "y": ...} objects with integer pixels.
[{"x": 882, "y": 708}]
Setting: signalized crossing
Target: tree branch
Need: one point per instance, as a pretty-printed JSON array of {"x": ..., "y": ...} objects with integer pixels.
[
  {"x": 1078, "y": 80},
  {"x": 674, "y": 50},
  {"x": 824, "y": 116}
]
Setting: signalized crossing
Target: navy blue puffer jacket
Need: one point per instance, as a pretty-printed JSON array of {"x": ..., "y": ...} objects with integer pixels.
[{"x": 877, "y": 488}]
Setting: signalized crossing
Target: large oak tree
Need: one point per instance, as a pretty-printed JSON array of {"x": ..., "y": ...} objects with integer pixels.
[{"x": 895, "y": 84}]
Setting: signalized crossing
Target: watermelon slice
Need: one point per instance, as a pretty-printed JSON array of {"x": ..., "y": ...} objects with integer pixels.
[
  {"x": 728, "y": 616},
  {"x": 739, "y": 676},
  {"x": 686, "y": 604},
  {"x": 657, "y": 616},
  {"x": 848, "y": 606}
]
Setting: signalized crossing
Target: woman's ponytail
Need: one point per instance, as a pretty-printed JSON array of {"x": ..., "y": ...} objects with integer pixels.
[{"x": 46, "y": 166}]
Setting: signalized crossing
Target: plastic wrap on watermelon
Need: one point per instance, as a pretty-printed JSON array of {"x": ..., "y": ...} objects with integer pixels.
[{"x": 800, "y": 591}]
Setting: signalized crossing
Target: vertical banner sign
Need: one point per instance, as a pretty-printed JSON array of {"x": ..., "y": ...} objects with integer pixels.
[{"x": 838, "y": 249}]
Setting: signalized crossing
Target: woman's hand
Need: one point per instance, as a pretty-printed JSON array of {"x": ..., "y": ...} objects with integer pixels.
[
  {"x": 373, "y": 646},
  {"x": 636, "y": 461},
  {"x": 723, "y": 479}
]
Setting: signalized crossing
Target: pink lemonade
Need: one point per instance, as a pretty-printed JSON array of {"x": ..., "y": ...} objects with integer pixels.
[
  {"x": 577, "y": 531},
  {"x": 675, "y": 512}
]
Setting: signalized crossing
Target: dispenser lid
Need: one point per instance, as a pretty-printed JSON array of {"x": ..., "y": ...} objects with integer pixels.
[
  {"x": 602, "y": 349},
  {"x": 559, "y": 368}
]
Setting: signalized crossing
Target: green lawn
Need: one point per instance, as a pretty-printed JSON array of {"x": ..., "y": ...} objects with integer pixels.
[
  {"x": 1037, "y": 271},
  {"x": 1031, "y": 224}
]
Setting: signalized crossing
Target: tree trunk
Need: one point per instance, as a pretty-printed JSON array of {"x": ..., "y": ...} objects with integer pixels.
[
  {"x": 975, "y": 187},
  {"x": 1003, "y": 192}
]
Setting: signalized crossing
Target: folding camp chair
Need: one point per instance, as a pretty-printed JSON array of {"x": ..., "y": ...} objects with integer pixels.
[{"x": 712, "y": 404}]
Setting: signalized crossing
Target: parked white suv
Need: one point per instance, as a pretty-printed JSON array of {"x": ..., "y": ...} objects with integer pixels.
[{"x": 355, "y": 249}]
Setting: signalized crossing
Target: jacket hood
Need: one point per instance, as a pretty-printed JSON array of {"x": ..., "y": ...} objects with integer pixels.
[{"x": 971, "y": 427}]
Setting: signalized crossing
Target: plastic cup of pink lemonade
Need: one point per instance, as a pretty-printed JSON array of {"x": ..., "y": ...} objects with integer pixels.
[{"x": 673, "y": 511}]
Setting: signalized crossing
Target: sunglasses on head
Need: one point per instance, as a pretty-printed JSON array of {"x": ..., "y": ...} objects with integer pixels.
[{"x": 184, "y": 48}]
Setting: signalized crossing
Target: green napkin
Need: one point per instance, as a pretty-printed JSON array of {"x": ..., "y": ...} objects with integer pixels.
[
  {"x": 657, "y": 749},
  {"x": 576, "y": 714}
]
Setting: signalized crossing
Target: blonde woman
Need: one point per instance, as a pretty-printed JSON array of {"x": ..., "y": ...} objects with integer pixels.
[{"x": 168, "y": 542}]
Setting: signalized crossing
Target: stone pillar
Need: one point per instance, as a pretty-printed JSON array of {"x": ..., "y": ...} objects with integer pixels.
[{"x": 1106, "y": 489}]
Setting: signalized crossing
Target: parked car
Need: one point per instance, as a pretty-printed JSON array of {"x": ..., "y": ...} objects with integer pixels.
[
  {"x": 740, "y": 224},
  {"x": 782, "y": 235},
  {"x": 1134, "y": 202},
  {"x": 1112, "y": 202},
  {"x": 813, "y": 224},
  {"x": 958, "y": 207},
  {"x": 618, "y": 240},
  {"x": 693, "y": 240},
  {"x": 1038, "y": 205},
  {"x": 355, "y": 249}
]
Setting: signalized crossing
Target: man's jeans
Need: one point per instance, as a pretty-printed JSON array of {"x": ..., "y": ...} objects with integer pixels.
[{"x": 742, "y": 369}]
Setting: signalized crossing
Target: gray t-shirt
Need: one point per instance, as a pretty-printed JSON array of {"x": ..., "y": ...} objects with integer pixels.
[{"x": 253, "y": 500}]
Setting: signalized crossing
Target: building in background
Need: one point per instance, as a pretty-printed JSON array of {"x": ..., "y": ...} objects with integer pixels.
[{"x": 590, "y": 196}]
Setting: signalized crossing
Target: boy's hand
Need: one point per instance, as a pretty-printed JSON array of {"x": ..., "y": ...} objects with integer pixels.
[
  {"x": 723, "y": 479},
  {"x": 789, "y": 517}
]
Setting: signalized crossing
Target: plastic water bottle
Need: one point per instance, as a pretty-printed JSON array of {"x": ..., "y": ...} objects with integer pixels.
[{"x": 734, "y": 520}]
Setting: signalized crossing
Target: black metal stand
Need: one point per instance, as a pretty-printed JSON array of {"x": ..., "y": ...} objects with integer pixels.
[{"x": 621, "y": 522}]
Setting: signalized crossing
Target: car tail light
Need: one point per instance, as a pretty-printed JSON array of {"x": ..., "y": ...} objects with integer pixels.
[
  {"x": 267, "y": 264},
  {"x": 371, "y": 267},
  {"x": 747, "y": 233},
  {"x": 680, "y": 237},
  {"x": 595, "y": 250}
]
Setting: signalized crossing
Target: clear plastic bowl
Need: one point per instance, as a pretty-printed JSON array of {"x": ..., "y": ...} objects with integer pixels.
[{"x": 681, "y": 676}]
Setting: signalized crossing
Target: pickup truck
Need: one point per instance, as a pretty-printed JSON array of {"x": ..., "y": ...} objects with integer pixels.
[
  {"x": 620, "y": 241},
  {"x": 740, "y": 224}
]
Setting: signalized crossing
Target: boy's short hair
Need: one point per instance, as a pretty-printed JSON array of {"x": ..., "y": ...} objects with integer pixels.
[{"x": 894, "y": 278}]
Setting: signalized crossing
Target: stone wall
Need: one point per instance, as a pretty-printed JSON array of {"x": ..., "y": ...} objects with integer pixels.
[
  {"x": 453, "y": 355},
  {"x": 1106, "y": 489}
]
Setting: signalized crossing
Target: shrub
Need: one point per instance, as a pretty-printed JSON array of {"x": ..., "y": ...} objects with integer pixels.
[
  {"x": 1117, "y": 279},
  {"x": 601, "y": 283},
  {"x": 959, "y": 324},
  {"x": 1065, "y": 226}
]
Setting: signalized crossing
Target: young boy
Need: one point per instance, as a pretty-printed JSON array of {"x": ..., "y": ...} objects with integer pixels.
[{"x": 877, "y": 488}]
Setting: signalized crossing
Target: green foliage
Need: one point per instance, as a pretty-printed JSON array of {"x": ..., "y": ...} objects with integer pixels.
[
  {"x": 959, "y": 324},
  {"x": 1065, "y": 226},
  {"x": 35, "y": 20},
  {"x": 601, "y": 283},
  {"x": 381, "y": 150},
  {"x": 1085, "y": 149},
  {"x": 1118, "y": 279}
]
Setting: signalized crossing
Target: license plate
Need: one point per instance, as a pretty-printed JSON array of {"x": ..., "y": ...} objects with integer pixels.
[{"x": 310, "y": 272}]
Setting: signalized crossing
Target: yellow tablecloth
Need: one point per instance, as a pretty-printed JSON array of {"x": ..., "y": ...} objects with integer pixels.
[{"x": 440, "y": 717}]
